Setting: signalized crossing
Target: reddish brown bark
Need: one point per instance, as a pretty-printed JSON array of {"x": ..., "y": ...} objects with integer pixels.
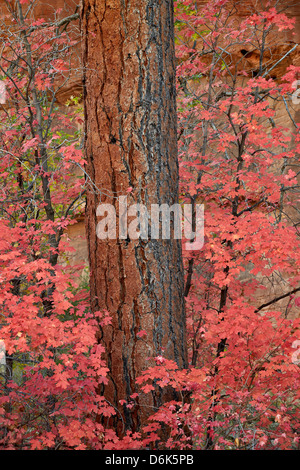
[{"x": 131, "y": 141}]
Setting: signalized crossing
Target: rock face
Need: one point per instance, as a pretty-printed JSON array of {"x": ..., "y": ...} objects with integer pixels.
[{"x": 243, "y": 8}]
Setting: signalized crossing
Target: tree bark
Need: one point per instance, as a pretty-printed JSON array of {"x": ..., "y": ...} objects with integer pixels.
[{"x": 131, "y": 142}]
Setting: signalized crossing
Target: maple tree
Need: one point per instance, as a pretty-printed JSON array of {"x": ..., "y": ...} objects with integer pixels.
[
  {"x": 237, "y": 159},
  {"x": 53, "y": 365},
  {"x": 241, "y": 388}
]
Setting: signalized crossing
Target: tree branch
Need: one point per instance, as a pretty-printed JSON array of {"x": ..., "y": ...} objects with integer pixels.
[{"x": 273, "y": 301}]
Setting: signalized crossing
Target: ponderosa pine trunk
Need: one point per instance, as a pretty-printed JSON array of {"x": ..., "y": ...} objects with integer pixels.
[{"x": 131, "y": 142}]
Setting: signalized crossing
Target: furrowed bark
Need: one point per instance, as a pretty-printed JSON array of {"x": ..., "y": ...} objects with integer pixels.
[{"x": 131, "y": 141}]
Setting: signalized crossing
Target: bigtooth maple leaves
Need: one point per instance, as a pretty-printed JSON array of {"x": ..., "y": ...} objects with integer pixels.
[
  {"x": 239, "y": 156},
  {"x": 52, "y": 365},
  {"x": 237, "y": 159}
]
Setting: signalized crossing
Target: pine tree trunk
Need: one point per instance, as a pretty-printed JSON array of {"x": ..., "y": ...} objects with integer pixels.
[{"x": 131, "y": 142}]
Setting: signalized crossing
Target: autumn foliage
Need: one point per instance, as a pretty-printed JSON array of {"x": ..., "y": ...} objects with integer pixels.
[{"x": 241, "y": 390}]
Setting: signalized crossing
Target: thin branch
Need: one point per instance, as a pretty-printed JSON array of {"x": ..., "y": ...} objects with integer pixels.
[{"x": 273, "y": 301}]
